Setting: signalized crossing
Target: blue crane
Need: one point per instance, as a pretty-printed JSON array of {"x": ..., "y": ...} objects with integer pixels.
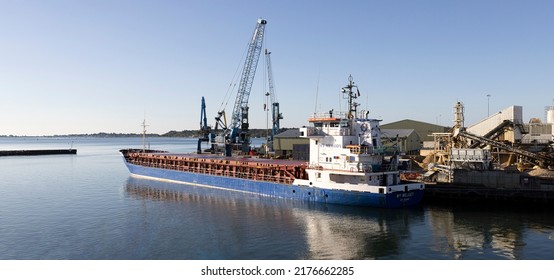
[
  {"x": 237, "y": 132},
  {"x": 205, "y": 130}
]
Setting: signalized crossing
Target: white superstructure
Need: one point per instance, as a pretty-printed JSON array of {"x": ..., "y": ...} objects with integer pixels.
[{"x": 346, "y": 152}]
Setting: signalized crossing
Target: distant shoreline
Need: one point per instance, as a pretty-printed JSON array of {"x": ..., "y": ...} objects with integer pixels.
[
  {"x": 97, "y": 135},
  {"x": 254, "y": 133}
]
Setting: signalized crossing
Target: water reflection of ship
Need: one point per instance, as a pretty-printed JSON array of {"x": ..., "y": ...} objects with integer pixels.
[
  {"x": 373, "y": 235},
  {"x": 486, "y": 235},
  {"x": 309, "y": 230}
]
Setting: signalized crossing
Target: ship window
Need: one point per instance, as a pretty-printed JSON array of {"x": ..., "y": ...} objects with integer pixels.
[
  {"x": 344, "y": 123},
  {"x": 346, "y": 179},
  {"x": 381, "y": 190},
  {"x": 318, "y": 175}
]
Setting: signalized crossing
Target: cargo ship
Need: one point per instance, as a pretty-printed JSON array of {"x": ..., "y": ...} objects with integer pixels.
[{"x": 346, "y": 165}]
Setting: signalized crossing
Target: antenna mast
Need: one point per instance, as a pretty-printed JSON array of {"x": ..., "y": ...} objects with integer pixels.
[
  {"x": 144, "y": 125},
  {"x": 352, "y": 106}
]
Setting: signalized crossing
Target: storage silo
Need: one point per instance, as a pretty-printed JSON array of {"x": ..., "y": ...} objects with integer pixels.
[{"x": 550, "y": 114}]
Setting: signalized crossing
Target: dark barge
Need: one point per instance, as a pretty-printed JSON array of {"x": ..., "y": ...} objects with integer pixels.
[{"x": 38, "y": 152}]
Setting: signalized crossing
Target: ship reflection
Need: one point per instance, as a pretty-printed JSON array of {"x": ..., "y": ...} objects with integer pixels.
[
  {"x": 485, "y": 234},
  {"x": 357, "y": 234},
  {"x": 288, "y": 229}
]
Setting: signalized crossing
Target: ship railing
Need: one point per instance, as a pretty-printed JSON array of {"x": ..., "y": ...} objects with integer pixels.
[
  {"x": 330, "y": 114},
  {"x": 359, "y": 149},
  {"x": 323, "y": 131}
]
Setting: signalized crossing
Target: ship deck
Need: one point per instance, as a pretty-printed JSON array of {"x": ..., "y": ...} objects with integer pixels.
[
  {"x": 243, "y": 159},
  {"x": 271, "y": 170}
]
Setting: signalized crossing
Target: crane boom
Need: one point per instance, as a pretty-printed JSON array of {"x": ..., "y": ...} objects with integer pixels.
[
  {"x": 276, "y": 115},
  {"x": 239, "y": 120}
]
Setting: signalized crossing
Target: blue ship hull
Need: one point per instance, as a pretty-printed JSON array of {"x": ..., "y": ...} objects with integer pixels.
[{"x": 305, "y": 193}]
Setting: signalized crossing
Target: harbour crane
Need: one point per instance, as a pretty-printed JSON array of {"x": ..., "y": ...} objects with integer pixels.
[
  {"x": 205, "y": 130},
  {"x": 276, "y": 115},
  {"x": 238, "y": 131}
]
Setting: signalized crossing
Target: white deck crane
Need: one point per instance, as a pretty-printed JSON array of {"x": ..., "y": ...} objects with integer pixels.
[{"x": 237, "y": 132}]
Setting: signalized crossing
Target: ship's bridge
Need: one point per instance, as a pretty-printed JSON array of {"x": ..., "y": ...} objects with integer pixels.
[
  {"x": 327, "y": 124},
  {"x": 365, "y": 131}
]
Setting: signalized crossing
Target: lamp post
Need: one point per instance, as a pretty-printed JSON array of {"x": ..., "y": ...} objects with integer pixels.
[{"x": 488, "y": 104}]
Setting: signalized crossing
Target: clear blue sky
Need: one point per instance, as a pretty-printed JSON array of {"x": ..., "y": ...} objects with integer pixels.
[{"x": 101, "y": 65}]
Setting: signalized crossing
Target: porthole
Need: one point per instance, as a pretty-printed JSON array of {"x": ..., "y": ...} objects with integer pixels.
[{"x": 309, "y": 193}]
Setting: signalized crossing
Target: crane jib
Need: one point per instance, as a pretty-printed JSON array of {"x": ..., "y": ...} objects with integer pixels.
[{"x": 239, "y": 119}]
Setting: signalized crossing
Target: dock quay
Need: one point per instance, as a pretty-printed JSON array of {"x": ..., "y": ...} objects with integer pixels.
[
  {"x": 441, "y": 193},
  {"x": 38, "y": 152},
  {"x": 493, "y": 187}
]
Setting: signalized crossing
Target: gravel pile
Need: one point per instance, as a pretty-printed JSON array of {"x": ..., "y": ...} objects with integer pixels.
[{"x": 540, "y": 172}]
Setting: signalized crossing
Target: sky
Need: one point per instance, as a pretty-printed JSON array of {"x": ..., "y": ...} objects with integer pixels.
[{"x": 88, "y": 66}]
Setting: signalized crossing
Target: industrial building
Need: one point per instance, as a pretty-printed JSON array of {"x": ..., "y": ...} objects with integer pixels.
[
  {"x": 511, "y": 117},
  {"x": 509, "y": 122},
  {"x": 289, "y": 144},
  {"x": 405, "y": 141},
  {"x": 539, "y": 133},
  {"x": 409, "y": 136}
]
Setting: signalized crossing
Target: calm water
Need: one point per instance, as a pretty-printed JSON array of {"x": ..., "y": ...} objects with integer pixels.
[{"x": 87, "y": 206}]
